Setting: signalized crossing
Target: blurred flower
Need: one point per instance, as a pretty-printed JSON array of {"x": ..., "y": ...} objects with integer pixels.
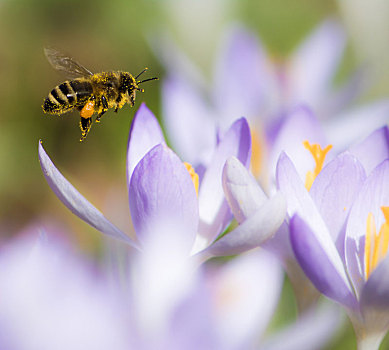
[
  {"x": 52, "y": 299},
  {"x": 333, "y": 231},
  {"x": 214, "y": 307},
  {"x": 248, "y": 83},
  {"x": 243, "y": 307},
  {"x": 163, "y": 194}
]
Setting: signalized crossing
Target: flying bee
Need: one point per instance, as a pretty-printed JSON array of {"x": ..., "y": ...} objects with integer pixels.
[{"x": 87, "y": 92}]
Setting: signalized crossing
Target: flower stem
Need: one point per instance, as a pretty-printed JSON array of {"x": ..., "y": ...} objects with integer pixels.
[{"x": 370, "y": 341}]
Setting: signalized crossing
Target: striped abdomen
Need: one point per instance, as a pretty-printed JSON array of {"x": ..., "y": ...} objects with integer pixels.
[{"x": 70, "y": 94}]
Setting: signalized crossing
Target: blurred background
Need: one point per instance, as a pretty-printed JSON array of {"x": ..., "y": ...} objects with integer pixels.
[{"x": 116, "y": 35}]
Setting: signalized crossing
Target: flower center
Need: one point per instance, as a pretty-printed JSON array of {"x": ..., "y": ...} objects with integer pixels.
[
  {"x": 194, "y": 176},
  {"x": 319, "y": 156},
  {"x": 376, "y": 245}
]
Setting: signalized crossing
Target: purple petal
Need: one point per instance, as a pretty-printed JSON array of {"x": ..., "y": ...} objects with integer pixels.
[
  {"x": 334, "y": 191},
  {"x": 359, "y": 122},
  {"x": 240, "y": 320},
  {"x": 373, "y": 195},
  {"x": 296, "y": 195},
  {"x": 76, "y": 202},
  {"x": 300, "y": 202},
  {"x": 327, "y": 275},
  {"x": 313, "y": 65},
  {"x": 145, "y": 133},
  {"x": 189, "y": 123},
  {"x": 259, "y": 227},
  {"x": 52, "y": 299},
  {"x": 242, "y": 191},
  {"x": 345, "y": 95},
  {"x": 162, "y": 197},
  {"x": 312, "y": 330},
  {"x": 300, "y": 125},
  {"x": 243, "y": 81},
  {"x": 213, "y": 208},
  {"x": 373, "y": 150},
  {"x": 375, "y": 293}
]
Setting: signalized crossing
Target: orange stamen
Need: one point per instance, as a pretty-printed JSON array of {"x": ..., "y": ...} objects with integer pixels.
[
  {"x": 376, "y": 245},
  {"x": 256, "y": 153},
  {"x": 319, "y": 156},
  {"x": 194, "y": 176}
]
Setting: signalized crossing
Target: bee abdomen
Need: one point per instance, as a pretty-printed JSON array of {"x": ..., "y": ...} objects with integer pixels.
[{"x": 67, "y": 96}]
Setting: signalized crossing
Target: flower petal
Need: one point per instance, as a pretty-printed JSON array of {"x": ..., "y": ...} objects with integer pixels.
[
  {"x": 244, "y": 317},
  {"x": 52, "y": 299},
  {"x": 313, "y": 65},
  {"x": 145, "y": 133},
  {"x": 259, "y": 227},
  {"x": 300, "y": 202},
  {"x": 312, "y": 330},
  {"x": 242, "y": 191},
  {"x": 162, "y": 196},
  {"x": 79, "y": 206},
  {"x": 189, "y": 122},
  {"x": 300, "y": 125},
  {"x": 243, "y": 82},
  {"x": 334, "y": 191},
  {"x": 359, "y": 122},
  {"x": 373, "y": 150},
  {"x": 327, "y": 274},
  {"x": 373, "y": 195},
  {"x": 375, "y": 294},
  {"x": 213, "y": 208}
]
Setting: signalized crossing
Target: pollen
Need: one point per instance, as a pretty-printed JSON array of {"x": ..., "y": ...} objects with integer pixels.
[
  {"x": 256, "y": 152},
  {"x": 88, "y": 110},
  {"x": 319, "y": 156},
  {"x": 376, "y": 245},
  {"x": 194, "y": 176}
]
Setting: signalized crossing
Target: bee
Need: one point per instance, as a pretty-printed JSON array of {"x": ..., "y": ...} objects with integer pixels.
[{"x": 87, "y": 92}]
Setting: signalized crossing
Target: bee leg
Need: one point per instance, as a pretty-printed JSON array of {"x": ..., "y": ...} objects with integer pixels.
[
  {"x": 118, "y": 101},
  {"x": 105, "y": 108},
  {"x": 85, "y": 125},
  {"x": 99, "y": 116}
]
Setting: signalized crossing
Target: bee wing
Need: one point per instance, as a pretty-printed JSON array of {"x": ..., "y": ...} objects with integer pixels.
[{"x": 66, "y": 64}]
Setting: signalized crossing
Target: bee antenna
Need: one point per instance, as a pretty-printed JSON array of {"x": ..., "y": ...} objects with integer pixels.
[
  {"x": 143, "y": 81},
  {"x": 144, "y": 70}
]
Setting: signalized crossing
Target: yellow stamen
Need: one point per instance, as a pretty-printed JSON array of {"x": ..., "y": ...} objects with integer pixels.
[
  {"x": 194, "y": 176},
  {"x": 319, "y": 156},
  {"x": 376, "y": 245},
  {"x": 256, "y": 153},
  {"x": 369, "y": 238}
]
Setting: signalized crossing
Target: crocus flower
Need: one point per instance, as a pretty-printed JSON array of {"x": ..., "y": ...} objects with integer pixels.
[
  {"x": 246, "y": 82},
  {"x": 174, "y": 306},
  {"x": 338, "y": 232},
  {"x": 163, "y": 193},
  {"x": 53, "y": 299},
  {"x": 245, "y": 194},
  {"x": 242, "y": 307}
]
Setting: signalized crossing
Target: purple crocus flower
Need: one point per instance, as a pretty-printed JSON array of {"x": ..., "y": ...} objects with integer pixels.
[
  {"x": 301, "y": 140},
  {"x": 339, "y": 235},
  {"x": 53, "y": 299},
  {"x": 163, "y": 194},
  {"x": 248, "y": 83}
]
